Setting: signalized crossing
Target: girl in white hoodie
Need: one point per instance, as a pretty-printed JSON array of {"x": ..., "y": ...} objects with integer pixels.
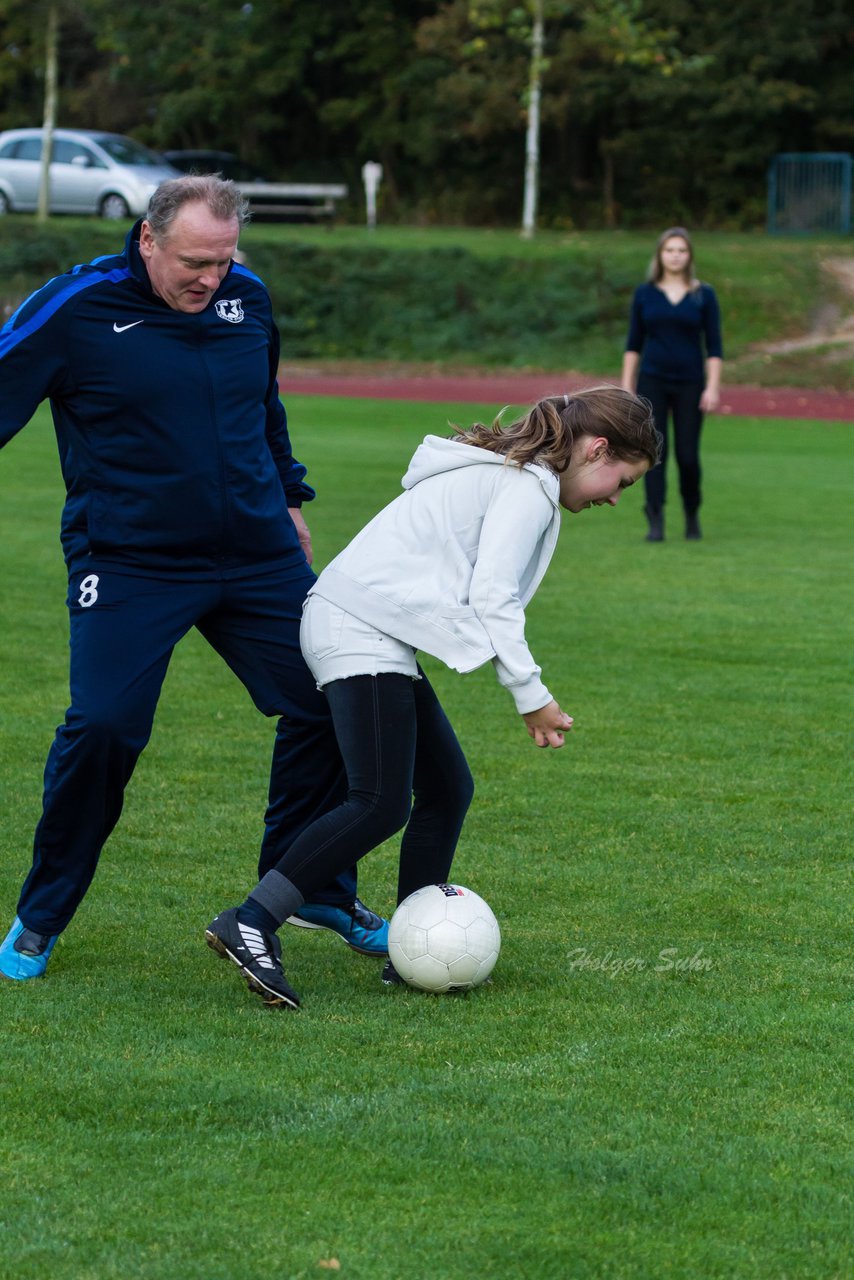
[{"x": 447, "y": 567}]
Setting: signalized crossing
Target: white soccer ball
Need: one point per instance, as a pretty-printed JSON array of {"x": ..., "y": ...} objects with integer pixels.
[{"x": 444, "y": 938}]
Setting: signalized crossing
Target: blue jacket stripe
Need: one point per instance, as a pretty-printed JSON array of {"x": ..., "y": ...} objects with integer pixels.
[
  {"x": 237, "y": 269},
  {"x": 11, "y": 337}
]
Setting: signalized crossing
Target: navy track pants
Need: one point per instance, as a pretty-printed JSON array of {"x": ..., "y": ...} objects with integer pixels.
[{"x": 123, "y": 630}]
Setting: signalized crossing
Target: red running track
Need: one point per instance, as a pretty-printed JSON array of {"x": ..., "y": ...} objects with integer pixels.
[{"x": 526, "y": 388}]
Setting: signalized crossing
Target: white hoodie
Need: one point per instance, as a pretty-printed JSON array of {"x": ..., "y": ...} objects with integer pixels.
[{"x": 449, "y": 566}]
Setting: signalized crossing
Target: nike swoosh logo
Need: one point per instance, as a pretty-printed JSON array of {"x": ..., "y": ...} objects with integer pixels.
[{"x": 120, "y": 328}]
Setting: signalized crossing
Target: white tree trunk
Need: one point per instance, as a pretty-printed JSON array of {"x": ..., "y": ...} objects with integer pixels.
[
  {"x": 50, "y": 78},
  {"x": 532, "y": 139}
]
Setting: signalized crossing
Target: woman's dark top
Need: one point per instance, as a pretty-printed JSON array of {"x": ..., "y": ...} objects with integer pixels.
[{"x": 671, "y": 338}]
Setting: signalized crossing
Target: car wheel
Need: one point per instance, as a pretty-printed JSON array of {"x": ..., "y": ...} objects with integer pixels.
[
  {"x": 114, "y": 207},
  {"x": 5, "y": 206}
]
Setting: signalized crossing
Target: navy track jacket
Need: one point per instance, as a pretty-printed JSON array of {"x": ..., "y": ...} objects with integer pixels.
[{"x": 172, "y": 438}]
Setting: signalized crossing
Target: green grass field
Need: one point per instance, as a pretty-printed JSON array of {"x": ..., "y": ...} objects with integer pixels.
[{"x": 655, "y": 1085}]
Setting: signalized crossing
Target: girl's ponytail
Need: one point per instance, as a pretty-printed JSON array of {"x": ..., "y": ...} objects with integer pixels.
[{"x": 547, "y": 432}]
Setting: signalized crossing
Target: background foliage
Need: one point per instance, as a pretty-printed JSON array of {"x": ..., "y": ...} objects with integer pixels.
[
  {"x": 466, "y": 297},
  {"x": 654, "y": 111}
]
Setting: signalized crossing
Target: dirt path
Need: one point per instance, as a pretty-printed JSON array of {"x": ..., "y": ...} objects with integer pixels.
[{"x": 400, "y": 383}]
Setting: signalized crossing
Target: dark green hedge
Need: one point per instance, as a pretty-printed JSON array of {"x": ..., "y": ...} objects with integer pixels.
[
  {"x": 370, "y": 304},
  {"x": 31, "y": 255},
  {"x": 440, "y": 305}
]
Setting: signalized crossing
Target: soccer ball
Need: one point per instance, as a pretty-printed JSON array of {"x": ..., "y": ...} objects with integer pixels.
[{"x": 444, "y": 938}]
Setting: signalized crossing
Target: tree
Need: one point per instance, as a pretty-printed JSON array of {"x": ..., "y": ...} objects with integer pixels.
[
  {"x": 527, "y": 24},
  {"x": 571, "y": 48},
  {"x": 50, "y": 79},
  {"x": 532, "y": 139},
  {"x": 630, "y": 111}
]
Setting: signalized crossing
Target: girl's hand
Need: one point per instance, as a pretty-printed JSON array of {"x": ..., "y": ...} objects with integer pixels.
[{"x": 548, "y": 725}]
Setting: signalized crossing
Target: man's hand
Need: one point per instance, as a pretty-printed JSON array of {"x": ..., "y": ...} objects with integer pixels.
[
  {"x": 548, "y": 725},
  {"x": 302, "y": 531}
]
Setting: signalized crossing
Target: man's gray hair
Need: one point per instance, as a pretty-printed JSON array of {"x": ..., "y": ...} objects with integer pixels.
[{"x": 219, "y": 195}]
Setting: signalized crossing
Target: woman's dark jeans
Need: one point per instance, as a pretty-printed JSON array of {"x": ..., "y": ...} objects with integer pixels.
[{"x": 681, "y": 400}]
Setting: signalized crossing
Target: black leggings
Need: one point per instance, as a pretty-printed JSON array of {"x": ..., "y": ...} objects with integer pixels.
[
  {"x": 682, "y": 401},
  {"x": 395, "y": 740}
]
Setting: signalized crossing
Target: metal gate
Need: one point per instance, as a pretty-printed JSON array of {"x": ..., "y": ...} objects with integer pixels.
[{"x": 810, "y": 191}]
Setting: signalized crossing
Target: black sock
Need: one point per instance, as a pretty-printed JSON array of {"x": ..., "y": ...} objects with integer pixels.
[
  {"x": 251, "y": 912},
  {"x": 273, "y": 899}
]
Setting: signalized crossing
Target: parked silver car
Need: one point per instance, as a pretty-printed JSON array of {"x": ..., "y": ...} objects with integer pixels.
[{"x": 90, "y": 172}]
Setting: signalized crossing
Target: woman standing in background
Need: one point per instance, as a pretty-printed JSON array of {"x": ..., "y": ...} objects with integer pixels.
[{"x": 673, "y": 357}]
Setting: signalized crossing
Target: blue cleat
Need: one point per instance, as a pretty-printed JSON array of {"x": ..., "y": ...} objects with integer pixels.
[
  {"x": 361, "y": 929},
  {"x": 24, "y": 954}
]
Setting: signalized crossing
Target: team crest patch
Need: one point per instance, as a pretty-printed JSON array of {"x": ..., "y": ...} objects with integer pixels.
[{"x": 230, "y": 309}]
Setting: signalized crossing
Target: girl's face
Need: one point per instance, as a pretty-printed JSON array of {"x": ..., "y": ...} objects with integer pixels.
[
  {"x": 675, "y": 256},
  {"x": 595, "y": 478}
]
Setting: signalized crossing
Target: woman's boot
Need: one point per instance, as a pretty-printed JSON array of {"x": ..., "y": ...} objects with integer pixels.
[
  {"x": 655, "y": 519},
  {"x": 693, "y": 532}
]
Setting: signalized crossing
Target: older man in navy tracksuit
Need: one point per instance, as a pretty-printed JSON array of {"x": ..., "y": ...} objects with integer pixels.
[{"x": 183, "y": 510}]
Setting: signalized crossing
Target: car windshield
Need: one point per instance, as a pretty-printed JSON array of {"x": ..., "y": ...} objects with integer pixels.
[{"x": 126, "y": 151}]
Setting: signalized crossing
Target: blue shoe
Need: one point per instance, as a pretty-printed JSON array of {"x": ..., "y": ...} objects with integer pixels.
[
  {"x": 361, "y": 929},
  {"x": 24, "y": 954}
]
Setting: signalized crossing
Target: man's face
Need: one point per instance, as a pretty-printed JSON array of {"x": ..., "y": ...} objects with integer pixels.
[{"x": 187, "y": 266}]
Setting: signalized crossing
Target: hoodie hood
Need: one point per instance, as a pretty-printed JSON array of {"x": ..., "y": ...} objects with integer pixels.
[{"x": 437, "y": 455}]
